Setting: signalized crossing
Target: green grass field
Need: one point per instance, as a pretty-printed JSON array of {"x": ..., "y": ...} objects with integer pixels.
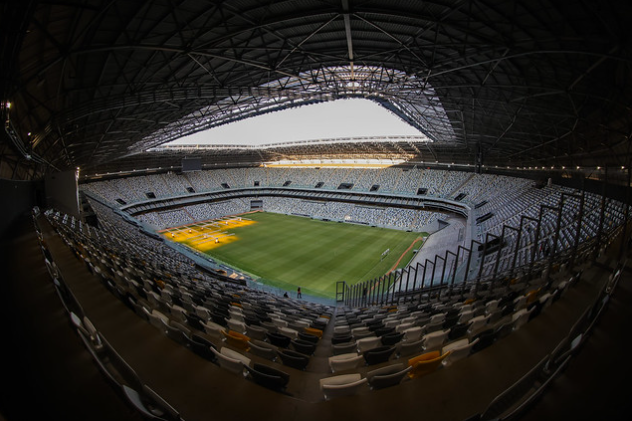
[{"x": 290, "y": 251}]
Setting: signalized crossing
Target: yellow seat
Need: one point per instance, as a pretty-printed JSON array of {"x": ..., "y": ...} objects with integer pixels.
[
  {"x": 313, "y": 331},
  {"x": 425, "y": 363},
  {"x": 237, "y": 340}
]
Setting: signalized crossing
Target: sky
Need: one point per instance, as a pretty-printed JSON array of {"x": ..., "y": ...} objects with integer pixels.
[{"x": 334, "y": 119}]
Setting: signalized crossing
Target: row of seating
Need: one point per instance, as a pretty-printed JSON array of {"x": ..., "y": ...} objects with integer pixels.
[
  {"x": 238, "y": 352},
  {"x": 532, "y": 301},
  {"x": 227, "y": 311},
  {"x": 115, "y": 369},
  {"x": 437, "y": 183}
]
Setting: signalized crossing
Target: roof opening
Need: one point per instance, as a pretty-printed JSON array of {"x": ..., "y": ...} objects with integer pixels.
[{"x": 344, "y": 118}]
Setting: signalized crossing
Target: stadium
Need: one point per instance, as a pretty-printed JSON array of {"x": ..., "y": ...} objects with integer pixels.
[{"x": 476, "y": 270}]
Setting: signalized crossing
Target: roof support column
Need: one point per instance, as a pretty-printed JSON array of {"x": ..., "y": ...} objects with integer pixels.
[{"x": 345, "y": 16}]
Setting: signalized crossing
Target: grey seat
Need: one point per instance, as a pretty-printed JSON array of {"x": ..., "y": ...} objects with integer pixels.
[
  {"x": 256, "y": 332},
  {"x": 343, "y": 348},
  {"x": 150, "y": 404},
  {"x": 342, "y": 385},
  {"x": 390, "y": 375},
  {"x": 268, "y": 376},
  {"x": 263, "y": 349},
  {"x": 410, "y": 348}
]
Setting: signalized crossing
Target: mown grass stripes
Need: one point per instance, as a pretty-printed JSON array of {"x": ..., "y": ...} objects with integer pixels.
[{"x": 290, "y": 251}]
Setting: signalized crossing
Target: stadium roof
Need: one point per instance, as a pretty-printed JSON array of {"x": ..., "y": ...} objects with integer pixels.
[{"x": 532, "y": 83}]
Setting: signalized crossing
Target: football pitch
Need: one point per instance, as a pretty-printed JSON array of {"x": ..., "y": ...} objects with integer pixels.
[{"x": 291, "y": 251}]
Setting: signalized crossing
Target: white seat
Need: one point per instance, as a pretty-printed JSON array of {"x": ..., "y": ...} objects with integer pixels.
[
  {"x": 491, "y": 306},
  {"x": 391, "y": 323},
  {"x": 458, "y": 350},
  {"x": 343, "y": 385},
  {"x": 345, "y": 362},
  {"x": 465, "y": 307},
  {"x": 362, "y": 331},
  {"x": 233, "y": 365},
  {"x": 158, "y": 319},
  {"x": 437, "y": 318},
  {"x": 362, "y": 334},
  {"x": 477, "y": 323},
  {"x": 466, "y": 316},
  {"x": 292, "y": 333},
  {"x": 341, "y": 329},
  {"x": 403, "y": 326},
  {"x": 203, "y": 312},
  {"x": 364, "y": 344},
  {"x": 235, "y": 355},
  {"x": 302, "y": 323},
  {"x": 279, "y": 323},
  {"x": 520, "y": 318},
  {"x": 235, "y": 309},
  {"x": 520, "y": 302},
  {"x": 236, "y": 316},
  {"x": 213, "y": 329},
  {"x": 178, "y": 313},
  {"x": 86, "y": 327},
  {"x": 435, "y": 340},
  {"x": 546, "y": 300},
  {"x": 182, "y": 327},
  {"x": 236, "y": 325},
  {"x": 412, "y": 334}
]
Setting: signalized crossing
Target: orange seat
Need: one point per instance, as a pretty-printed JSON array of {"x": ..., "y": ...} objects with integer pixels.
[
  {"x": 313, "y": 331},
  {"x": 425, "y": 363},
  {"x": 424, "y": 357},
  {"x": 237, "y": 340},
  {"x": 532, "y": 295}
]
